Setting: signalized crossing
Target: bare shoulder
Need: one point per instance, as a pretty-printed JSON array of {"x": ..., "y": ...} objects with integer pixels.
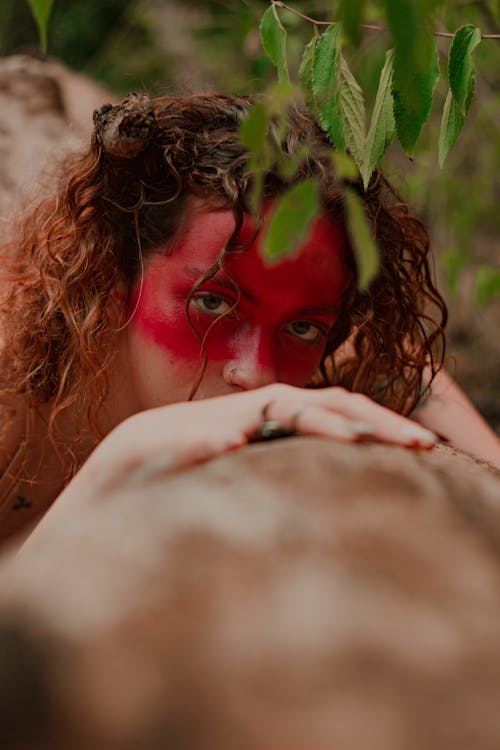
[
  {"x": 29, "y": 479},
  {"x": 32, "y": 474},
  {"x": 448, "y": 412},
  {"x": 12, "y": 459},
  {"x": 13, "y": 419}
]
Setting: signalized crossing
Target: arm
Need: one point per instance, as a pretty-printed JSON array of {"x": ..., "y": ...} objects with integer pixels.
[
  {"x": 169, "y": 438},
  {"x": 449, "y": 413}
]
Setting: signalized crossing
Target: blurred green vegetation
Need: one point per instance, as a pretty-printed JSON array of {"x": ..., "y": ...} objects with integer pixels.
[{"x": 110, "y": 40}]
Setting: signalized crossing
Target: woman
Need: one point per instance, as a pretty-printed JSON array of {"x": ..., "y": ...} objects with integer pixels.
[{"x": 143, "y": 331}]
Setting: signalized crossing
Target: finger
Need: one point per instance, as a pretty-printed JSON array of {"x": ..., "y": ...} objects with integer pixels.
[
  {"x": 316, "y": 420},
  {"x": 176, "y": 436},
  {"x": 386, "y": 424}
]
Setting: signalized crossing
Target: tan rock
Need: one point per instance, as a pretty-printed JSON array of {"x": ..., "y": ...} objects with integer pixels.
[
  {"x": 302, "y": 595},
  {"x": 45, "y": 112}
]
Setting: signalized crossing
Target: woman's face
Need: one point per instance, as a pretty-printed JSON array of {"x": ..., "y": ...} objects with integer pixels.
[{"x": 274, "y": 329}]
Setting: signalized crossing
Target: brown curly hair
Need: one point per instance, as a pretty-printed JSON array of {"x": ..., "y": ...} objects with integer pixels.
[{"x": 112, "y": 210}]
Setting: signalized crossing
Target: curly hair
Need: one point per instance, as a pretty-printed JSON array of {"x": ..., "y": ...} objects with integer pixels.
[{"x": 112, "y": 210}]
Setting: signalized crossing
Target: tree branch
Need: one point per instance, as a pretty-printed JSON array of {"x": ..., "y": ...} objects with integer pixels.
[{"x": 370, "y": 27}]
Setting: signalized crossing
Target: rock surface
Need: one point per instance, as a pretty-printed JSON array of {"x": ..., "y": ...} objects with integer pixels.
[
  {"x": 303, "y": 595},
  {"x": 45, "y": 112}
]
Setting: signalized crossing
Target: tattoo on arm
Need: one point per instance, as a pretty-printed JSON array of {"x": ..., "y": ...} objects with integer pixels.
[{"x": 21, "y": 503}]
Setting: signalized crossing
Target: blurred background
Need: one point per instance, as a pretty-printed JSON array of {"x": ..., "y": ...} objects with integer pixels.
[{"x": 167, "y": 46}]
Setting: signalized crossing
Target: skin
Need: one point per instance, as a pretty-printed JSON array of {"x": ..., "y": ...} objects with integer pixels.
[
  {"x": 265, "y": 334},
  {"x": 275, "y": 318},
  {"x": 261, "y": 324},
  {"x": 449, "y": 413}
]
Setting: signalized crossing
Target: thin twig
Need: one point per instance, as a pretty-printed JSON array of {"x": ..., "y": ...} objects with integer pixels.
[{"x": 370, "y": 27}]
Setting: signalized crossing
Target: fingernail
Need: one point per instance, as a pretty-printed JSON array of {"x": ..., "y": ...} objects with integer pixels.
[
  {"x": 360, "y": 429},
  {"x": 419, "y": 435}
]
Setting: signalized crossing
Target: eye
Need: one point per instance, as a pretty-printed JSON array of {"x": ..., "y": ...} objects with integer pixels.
[
  {"x": 305, "y": 330},
  {"x": 211, "y": 304}
]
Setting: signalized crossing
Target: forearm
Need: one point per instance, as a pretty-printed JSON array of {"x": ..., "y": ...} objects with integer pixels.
[
  {"x": 449, "y": 413},
  {"x": 173, "y": 437}
]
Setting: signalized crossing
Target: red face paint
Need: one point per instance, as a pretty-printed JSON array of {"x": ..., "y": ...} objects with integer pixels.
[{"x": 275, "y": 327}]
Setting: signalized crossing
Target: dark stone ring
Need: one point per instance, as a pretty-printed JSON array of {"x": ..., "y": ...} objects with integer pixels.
[{"x": 271, "y": 430}]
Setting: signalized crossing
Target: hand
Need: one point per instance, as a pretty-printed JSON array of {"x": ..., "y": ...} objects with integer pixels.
[
  {"x": 172, "y": 437},
  {"x": 159, "y": 441}
]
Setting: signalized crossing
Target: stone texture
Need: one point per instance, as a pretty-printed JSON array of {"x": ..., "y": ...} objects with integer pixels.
[
  {"x": 45, "y": 112},
  {"x": 301, "y": 594}
]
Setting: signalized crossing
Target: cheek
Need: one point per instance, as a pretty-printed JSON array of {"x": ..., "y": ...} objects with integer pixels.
[
  {"x": 297, "y": 363},
  {"x": 162, "y": 322},
  {"x": 169, "y": 329},
  {"x": 156, "y": 320},
  {"x": 172, "y": 337}
]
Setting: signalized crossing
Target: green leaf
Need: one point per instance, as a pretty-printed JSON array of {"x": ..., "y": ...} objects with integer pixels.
[
  {"x": 381, "y": 130},
  {"x": 403, "y": 21},
  {"x": 363, "y": 243},
  {"x": 487, "y": 284},
  {"x": 409, "y": 22},
  {"x": 289, "y": 163},
  {"x": 451, "y": 124},
  {"x": 273, "y": 37},
  {"x": 291, "y": 220},
  {"x": 416, "y": 65},
  {"x": 253, "y": 135},
  {"x": 344, "y": 166},
  {"x": 337, "y": 98},
  {"x": 40, "y": 10},
  {"x": 413, "y": 90},
  {"x": 306, "y": 69},
  {"x": 461, "y": 74},
  {"x": 352, "y": 112},
  {"x": 462, "y": 80},
  {"x": 350, "y": 16},
  {"x": 253, "y": 129},
  {"x": 326, "y": 80}
]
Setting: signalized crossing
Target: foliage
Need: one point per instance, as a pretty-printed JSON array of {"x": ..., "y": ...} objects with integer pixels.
[
  {"x": 117, "y": 41},
  {"x": 462, "y": 80},
  {"x": 416, "y": 67},
  {"x": 41, "y": 13},
  {"x": 364, "y": 245},
  {"x": 403, "y": 100},
  {"x": 113, "y": 41},
  {"x": 382, "y": 125},
  {"x": 274, "y": 42},
  {"x": 291, "y": 219},
  {"x": 487, "y": 284}
]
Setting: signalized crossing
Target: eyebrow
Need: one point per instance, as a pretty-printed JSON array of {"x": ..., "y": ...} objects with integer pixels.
[
  {"x": 196, "y": 273},
  {"x": 317, "y": 310}
]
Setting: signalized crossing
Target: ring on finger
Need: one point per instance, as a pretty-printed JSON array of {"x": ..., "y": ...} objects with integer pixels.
[{"x": 272, "y": 429}]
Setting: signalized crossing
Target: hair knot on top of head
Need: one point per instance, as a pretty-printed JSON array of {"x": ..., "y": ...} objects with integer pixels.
[{"x": 125, "y": 130}]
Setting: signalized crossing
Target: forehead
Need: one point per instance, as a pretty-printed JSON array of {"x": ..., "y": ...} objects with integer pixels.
[{"x": 316, "y": 273}]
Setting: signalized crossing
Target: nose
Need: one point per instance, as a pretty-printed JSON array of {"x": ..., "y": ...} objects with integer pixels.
[{"x": 253, "y": 364}]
